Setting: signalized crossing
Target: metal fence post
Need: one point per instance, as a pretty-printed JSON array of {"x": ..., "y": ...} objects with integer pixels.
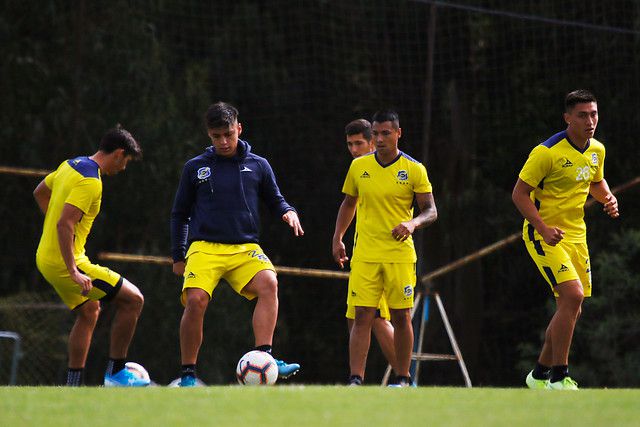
[{"x": 17, "y": 354}]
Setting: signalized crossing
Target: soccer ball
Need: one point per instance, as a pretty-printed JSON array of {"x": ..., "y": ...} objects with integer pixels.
[
  {"x": 137, "y": 370},
  {"x": 257, "y": 368}
]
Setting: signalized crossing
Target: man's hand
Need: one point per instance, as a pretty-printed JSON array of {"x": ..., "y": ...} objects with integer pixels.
[
  {"x": 611, "y": 206},
  {"x": 291, "y": 218},
  {"x": 83, "y": 280},
  {"x": 339, "y": 253},
  {"x": 402, "y": 231},
  {"x": 178, "y": 268},
  {"x": 552, "y": 235}
]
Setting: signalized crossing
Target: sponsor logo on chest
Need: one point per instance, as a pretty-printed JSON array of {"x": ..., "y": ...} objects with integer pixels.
[
  {"x": 204, "y": 173},
  {"x": 402, "y": 176}
]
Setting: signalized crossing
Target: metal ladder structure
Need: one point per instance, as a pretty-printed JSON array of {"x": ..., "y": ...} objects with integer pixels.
[{"x": 418, "y": 356}]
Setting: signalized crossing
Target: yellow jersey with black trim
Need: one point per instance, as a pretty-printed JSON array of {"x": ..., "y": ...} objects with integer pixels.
[
  {"x": 78, "y": 183},
  {"x": 385, "y": 199},
  {"x": 561, "y": 174}
]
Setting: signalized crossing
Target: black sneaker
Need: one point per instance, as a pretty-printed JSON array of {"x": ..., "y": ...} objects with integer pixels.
[
  {"x": 402, "y": 382},
  {"x": 355, "y": 380}
]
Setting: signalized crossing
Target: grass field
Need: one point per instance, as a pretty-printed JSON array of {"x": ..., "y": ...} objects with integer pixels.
[{"x": 293, "y": 406}]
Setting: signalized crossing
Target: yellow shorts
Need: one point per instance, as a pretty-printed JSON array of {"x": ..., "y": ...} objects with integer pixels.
[
  {"x": 106, "y": 283},
  {"x": 562, "y": 262},
  {"x": 369, "y": 281},
  {"x": 383, "y": 310},
  {"x": 207, "y": 263}
]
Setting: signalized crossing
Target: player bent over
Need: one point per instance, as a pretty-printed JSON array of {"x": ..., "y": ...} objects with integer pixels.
[
  {"x": 70, "y": 198},
  {"x": 214, "y": 227},
  {"x": 550, "y": 193}
]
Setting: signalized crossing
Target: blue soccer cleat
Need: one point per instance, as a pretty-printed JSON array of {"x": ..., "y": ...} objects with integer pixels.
[
  {"x": 188, "y": 381},
  {"x": 285, "y": 370},
  {"x": 125, "y": 378}
]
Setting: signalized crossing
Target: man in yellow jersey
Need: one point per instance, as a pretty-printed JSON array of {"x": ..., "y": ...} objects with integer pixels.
[
  {"x": 359, "y": 143},
  {"x": 550, "y": 193},
  {"x": 383, "y": 186},
  {"x": 70, "y": 198},
  {"x": 215, "y": 235}
]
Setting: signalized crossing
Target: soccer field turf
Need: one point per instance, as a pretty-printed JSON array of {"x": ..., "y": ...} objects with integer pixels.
[{"x": 294, "y": 406}]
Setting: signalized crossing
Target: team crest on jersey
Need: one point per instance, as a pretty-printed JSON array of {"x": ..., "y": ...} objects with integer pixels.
[
  {"x": 403, "y": 175},
  {"x": 594, "y": 158},
  {"x": 204, "y": 173}
]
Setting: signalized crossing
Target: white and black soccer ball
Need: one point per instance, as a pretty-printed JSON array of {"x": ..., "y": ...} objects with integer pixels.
[
  {"x": 138, "y": 370},
  {"x": 257, "y": 368}
]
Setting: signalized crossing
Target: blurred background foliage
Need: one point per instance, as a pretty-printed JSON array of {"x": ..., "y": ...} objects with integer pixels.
[{"x": 477, "y": 86}]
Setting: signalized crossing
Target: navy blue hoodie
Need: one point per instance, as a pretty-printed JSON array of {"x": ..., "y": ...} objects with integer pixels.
[{"x": 217, "y": 199}]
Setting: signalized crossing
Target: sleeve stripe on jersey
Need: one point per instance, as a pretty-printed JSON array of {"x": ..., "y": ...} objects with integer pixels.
[
  {"x": 555, "y": 139},
  {"x": 408, "y": 157},
  {"x": 85, "y": 166}
]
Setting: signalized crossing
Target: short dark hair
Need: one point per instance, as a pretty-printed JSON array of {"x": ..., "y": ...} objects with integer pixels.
[
  {"x": 382, "y": 116},
  {"x": 580, "y": 96},
  {"x": 359, "y": 126},
  {"x": 220, "y": 114},
  {"x": 118, "y": 137}
]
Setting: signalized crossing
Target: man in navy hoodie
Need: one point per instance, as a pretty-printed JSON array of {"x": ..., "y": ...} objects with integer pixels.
[{"x": 214, "y": 235}]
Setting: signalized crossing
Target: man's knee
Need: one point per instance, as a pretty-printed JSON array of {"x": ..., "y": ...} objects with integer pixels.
[
  {"x": 196, "y": 299},
  {"x": 89, "y": 312},
  {"x": 130, "y": 296},
  {"x": 401, "y": 318},
  {"x": 365, "y": 316},
  {"x": 264, "y": 284},
  {"x": 570, "y": 295}
]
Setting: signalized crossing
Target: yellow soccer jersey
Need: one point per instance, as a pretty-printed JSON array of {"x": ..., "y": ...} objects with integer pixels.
[
  {"x": 561, "y": 174},
  {"x": 385, "y": 199},
  {"x": 77, "y": 182}
]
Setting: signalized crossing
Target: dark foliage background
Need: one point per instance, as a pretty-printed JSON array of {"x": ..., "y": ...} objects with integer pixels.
[{"x": 477, "y": 85}]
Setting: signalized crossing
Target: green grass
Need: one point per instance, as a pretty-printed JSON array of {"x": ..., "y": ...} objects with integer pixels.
[{"x": 293, "y": 406}]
